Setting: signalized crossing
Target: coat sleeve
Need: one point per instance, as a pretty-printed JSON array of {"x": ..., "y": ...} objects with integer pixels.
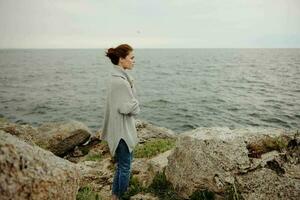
[{"x": 127, "y": 103}]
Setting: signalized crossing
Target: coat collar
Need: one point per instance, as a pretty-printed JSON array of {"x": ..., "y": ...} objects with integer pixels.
[{"x": 119, "y": 71}]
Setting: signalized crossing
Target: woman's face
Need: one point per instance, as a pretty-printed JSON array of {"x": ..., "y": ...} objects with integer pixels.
[{"x": 128, "y": 61}]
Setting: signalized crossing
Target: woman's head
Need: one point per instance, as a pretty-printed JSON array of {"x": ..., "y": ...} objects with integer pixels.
[{"x": 121, "y": 55}]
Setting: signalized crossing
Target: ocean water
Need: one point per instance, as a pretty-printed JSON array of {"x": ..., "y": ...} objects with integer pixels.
[{"x": 179, "y": 89}]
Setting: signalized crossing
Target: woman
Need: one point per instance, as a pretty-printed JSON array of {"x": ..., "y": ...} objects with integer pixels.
[{"x": 119, "y": 124}]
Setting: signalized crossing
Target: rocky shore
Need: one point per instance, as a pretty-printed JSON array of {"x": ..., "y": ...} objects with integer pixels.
[{"x": 65, "y": 160}]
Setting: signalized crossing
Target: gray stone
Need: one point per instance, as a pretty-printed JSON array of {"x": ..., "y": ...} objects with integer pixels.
[
  {"x": 264, "y": 183},
  {"x": 26, "y": 132},
  {"x": 159, "y": 162},
  {"x": 145, "y": 169},
  {"x": 147, "y": 131},
  {"x": 98, "y": 175},
  {"x": 76, "y": 138},
  {"x": 30, "y": 172},
  {"x": 55, "y": 132},
  {"x": 213, "y": 158}
]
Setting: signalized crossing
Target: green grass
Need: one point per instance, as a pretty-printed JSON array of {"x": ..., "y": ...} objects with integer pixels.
[
  {"x": 93, "y": 157},
  {"x": 153, "y": 147},
  {"x": 84, "y": 149},
  {"x": 162, "y": 188},
  {"x": 159, "y": 187},
  {"x": 277, "y": 143},
  {"x": 86, "y": 193},
  {"x": 202, "y": 195},
  {"x": 267, "y": 144},
  {"x": 133, "y": 188}
]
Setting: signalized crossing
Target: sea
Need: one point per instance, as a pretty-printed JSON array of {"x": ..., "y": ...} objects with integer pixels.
[{"x": 180, "y": 89}]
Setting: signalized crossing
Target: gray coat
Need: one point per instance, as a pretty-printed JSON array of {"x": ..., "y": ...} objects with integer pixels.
[{"x": 121, "y": 107}]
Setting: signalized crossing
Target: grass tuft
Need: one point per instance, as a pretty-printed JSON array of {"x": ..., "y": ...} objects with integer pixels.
[
  {"x": 162, "y": 188},
  {"x": 257, "y": 148},
  {"x": 93, "y": 157},
  {"x": 159, "y": 187},
  {"x": 84, "y": 149},
  {"x": 133, "y": 188},
  {"x": 86, "y": 193},
  {"x": 153, "y": 147},
  {"x": 202, "y": 195}
]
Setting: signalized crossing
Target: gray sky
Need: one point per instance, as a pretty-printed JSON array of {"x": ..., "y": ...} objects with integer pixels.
[{"x": 150, "y": 23}]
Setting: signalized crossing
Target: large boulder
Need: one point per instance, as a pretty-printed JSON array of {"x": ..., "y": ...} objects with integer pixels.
[
  {"x": 147, "y": 131},
  {"x": 30, "y": 172},
  {"x": 76, "y": 138},
  {"x": 54, "y": 133},
  {"x": 216, "y": 159},
  {"x": 24, "y": 132},
  {"x": 264, "y": 183},
  {"x": 58, "y": 137},
  {"x": 145, "y": 169}
]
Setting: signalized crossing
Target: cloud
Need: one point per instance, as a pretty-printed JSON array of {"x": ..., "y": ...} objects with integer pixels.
[{"x": 173, "y": 23}]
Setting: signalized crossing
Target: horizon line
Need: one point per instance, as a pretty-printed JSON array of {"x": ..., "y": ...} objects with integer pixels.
[{"x": 13, "y": 48}]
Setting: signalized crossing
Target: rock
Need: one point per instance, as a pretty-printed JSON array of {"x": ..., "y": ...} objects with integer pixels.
[
  {"x": 76, "y": 138},
  {"x": 55, "y": 132},
  {"x": 29, "y": 172},
  {"x": 213, "y": 158},
  {"x": 105, "y": 192},
  {"x": 146, "y": 131},
  {"x": 58, "y": 137},
  {"x": 292, "y": 171},
  {"x": 26, "y": 133},
  {"x": 145, "y": 169},
  {"x": 98, "y": 175},
  {"x": 207, "y": 162},
  {"x": 101, "y": 172},
  {"x": 159, "y": 162},
  {"x": 141, "y": 170},
  {"x": 77, "y": 152},
  {"x": 264, "y": 144},
  {"x": 82, "y": 152},
  {"x": 266, "y": 160},
  {"x": 264, "y": 183},
  {"x": 93, "y": 141},
  {"x": 146, "y": 196},
  {"x": 98, "y": 134}
]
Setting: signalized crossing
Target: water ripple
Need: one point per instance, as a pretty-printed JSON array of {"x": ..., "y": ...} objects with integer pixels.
[{"x": 219, "y": 87}]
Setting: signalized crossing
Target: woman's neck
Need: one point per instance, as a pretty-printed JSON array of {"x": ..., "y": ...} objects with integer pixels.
[{"x": 122, "y": 67}]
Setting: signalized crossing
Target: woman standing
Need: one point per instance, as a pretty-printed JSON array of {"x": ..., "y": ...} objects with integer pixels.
[{"x": 119, "y": 124}]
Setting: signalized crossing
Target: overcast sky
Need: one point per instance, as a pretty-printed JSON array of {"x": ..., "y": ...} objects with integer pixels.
[{"x": 150, "y": 23}]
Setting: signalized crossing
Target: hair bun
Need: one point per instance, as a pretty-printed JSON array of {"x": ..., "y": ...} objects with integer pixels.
[{"x": 110, "y": 52}]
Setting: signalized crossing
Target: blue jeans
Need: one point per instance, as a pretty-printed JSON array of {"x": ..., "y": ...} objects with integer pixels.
[{"x": 122, "y": 174}]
